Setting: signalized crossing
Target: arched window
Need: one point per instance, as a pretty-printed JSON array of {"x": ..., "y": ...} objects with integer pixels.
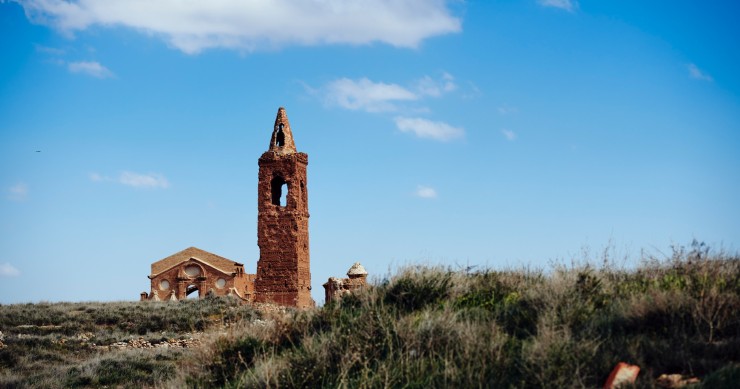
[
  {"x": 280, "y": 190},
  {"x": 280, "y": 137},
  {"x": 191, "y": 290}
]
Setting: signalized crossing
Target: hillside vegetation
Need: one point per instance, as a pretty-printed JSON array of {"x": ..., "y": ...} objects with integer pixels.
[
  {"x": 567, "y": 327},
  {"x": 422, "y": 328},
  {"x": 131, "y": 344}
]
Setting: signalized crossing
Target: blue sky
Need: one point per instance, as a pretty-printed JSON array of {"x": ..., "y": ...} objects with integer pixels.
[{"x": 466, "y": 133}]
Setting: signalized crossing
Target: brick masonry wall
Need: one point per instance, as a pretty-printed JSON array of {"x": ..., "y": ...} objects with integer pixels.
[
  {"x": 283, "y": 270},
  {"x": 177, "y": 280}
]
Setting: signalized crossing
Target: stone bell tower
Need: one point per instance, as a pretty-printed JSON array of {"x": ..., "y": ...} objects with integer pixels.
[{"x": 283, "y": 270}]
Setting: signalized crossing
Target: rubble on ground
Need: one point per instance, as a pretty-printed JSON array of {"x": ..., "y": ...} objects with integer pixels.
[
  {"x": 675, "y": 381},
  {"x": 142, "y": 343}
]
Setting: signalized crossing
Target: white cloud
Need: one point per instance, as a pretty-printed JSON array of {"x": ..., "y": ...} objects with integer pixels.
[
  {"x": 366, "y": 95},
  {"x": 568, "y": 5},
  {"x": 49, "y": 50},
  {"x": 508, "y": 134},
  {"x": 428, "y": 86},
  {"x": 507, "y": 110},
  {"x": 91, "y": 68},
  {"x": 8, "y": 270},
  {"x": 425, "y": 192},
  {"x": 424, "y": 128},
  {"x": 696, "y": 73},
  {"x": 95, "y": 177},
  {"x": 136, "y": 180},
  {"x": 18, "y": 192},
  {"x": 192, "y": 26}
]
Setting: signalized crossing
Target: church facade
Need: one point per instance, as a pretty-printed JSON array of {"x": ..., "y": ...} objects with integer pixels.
[
  {"x": 197, "y": 271},
  {"x": 283, "y": 270}
]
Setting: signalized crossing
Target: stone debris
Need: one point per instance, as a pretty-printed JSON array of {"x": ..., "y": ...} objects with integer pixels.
[
  {"x": 45, "y": 327},
  {"x": 2, "y": 337},
  {"x": 675, "y": 381},
  {"x": 268, "y": 308},
  {"x": 142, "y": 343},
  {"x": 85, "y": 336},
  {"x": 623, "y": 374}
]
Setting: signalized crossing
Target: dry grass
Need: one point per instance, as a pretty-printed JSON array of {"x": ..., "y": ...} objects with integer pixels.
[
  {"x": 425, "y": 327},
  {"x": 434, "y": 327},
  {"x": 58, "y": 345}
]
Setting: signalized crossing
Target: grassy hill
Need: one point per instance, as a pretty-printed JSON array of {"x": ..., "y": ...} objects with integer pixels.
[
  {"x": 424, "y": 327},
  {"x": 93, "y": 344}
]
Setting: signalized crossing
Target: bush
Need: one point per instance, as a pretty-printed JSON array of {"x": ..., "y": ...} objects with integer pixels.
[
  {"x": 506, "y": 299},
  {"x": 416, "y": 290},
  {"x": 130, "y": 369}
]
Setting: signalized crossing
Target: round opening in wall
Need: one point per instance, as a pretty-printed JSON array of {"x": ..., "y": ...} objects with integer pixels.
[
  {"x": 220, "y": 283},
  {"x": 192, "y": 271},
  {"x": 164, "y": 285}
]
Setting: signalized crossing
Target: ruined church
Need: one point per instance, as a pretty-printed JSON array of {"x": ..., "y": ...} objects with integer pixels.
[{"x": 283, "y": 269}]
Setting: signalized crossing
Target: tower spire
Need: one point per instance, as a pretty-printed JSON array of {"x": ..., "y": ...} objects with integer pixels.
[{"x": 282, "y": 137}]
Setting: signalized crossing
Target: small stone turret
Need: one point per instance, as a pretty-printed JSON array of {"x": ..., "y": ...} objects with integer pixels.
[
  {"x": 335, "y": 287},
  {"x": 357, "y": 271}
]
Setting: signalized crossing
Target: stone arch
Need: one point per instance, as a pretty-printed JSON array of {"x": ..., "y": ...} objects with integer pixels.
[
  {"x": 280, "y": 136},
  {"x": 193, "y": 270},
  {"x": 279, "y": 189},
  {"x": 191, "y": 278},
  {"x": 192, "y": 288}
]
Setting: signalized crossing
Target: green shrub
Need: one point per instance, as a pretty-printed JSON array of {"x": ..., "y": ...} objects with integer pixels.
[
  {"x": 416, "y": 290},
  {"x": 234, "y": 357},
  {"x": 505, "y": 297}
]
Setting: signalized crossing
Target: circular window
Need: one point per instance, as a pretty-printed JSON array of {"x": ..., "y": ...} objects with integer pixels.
[
  {"x": 192, "y": 271},
  {"x": 164, "y": 285},
  {"x": 220, "y": 283}
]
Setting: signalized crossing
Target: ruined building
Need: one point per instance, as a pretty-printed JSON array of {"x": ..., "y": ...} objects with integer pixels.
[
  {"x": 195, "y": 270},
  {"x": 283, "y": 270},
  {"x": 335, "y": 288}
]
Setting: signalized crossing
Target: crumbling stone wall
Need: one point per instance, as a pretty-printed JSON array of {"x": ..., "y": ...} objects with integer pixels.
[{"x": 283, "y": 270}]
